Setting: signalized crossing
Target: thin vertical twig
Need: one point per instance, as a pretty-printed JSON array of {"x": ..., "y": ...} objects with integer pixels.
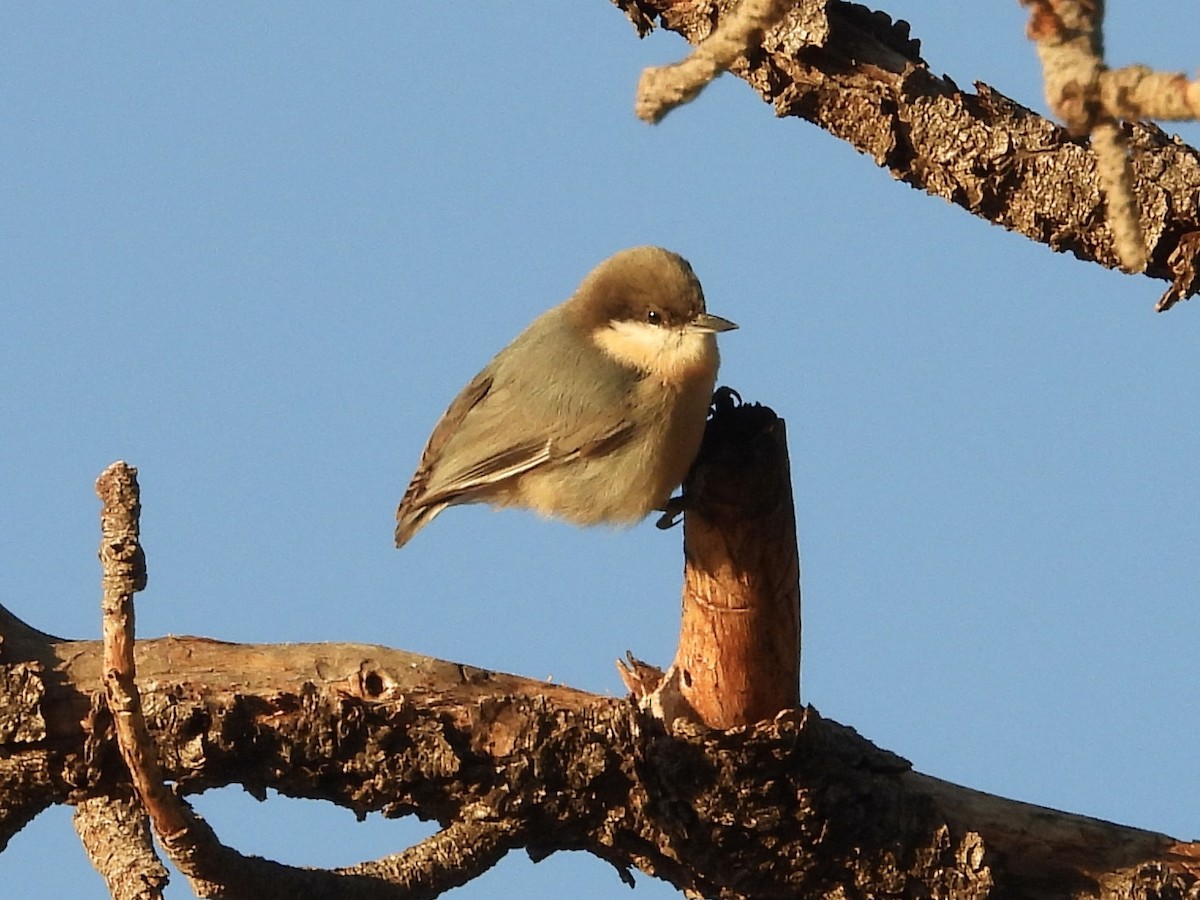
[{"x": 1070, "y": 44}]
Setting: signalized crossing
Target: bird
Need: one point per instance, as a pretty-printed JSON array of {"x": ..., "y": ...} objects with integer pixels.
[{"x": 593, "y": 414}]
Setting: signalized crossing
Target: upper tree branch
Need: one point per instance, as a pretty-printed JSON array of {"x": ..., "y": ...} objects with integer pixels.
[{"x": 861, "y": 77}]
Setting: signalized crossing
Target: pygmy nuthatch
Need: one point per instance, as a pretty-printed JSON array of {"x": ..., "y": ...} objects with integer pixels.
[{"x": 593, "y": 414}]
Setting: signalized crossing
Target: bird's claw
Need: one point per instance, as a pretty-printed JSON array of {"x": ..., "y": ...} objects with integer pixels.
[
  {"x": 723, "y": 399},
  {"x": 672, "y": 513}
]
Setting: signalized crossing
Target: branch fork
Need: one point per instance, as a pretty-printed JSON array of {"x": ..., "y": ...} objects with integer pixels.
[{"x": 449, "y": 858}]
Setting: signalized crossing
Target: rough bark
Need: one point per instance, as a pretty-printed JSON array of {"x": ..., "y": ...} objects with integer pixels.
[
  {"x": 859, "y": 75},
  {"x": 797, "y": 806},
  {"x": 115, "y": 834}
]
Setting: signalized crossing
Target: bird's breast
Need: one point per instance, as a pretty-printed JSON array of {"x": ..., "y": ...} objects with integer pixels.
[{"x": 675, "y": 439}]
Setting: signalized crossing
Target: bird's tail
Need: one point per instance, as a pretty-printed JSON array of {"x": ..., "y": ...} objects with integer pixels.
[{"x": 411, "y": 518}]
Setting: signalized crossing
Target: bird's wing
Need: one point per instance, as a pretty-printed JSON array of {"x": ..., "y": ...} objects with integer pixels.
[
  {"x": 520, "y": 434},
  {"x": 540, "y": 402},
  {"x": 416, "y": 495},
  {"x": 513, "y": 418}
]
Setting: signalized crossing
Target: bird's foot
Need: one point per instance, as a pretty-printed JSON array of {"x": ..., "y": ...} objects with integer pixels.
[{"x": 672, "y": 513}]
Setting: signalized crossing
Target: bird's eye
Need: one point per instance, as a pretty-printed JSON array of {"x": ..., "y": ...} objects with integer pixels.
[{"x": 653, "y": 317}]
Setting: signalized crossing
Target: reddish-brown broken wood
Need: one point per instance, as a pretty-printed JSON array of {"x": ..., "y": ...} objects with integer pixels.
[{"x": 738, "y": 660}]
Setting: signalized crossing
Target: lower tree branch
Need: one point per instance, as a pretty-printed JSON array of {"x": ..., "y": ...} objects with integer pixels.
[
  {"x": 25, "y": 788},
  {"x": 797, "y": 805},
  {"x": 445, "y": 860},
  {"x": 466, "y": 848},
  {"x": 792, "y": 806},
  {"x": 115, "y": 833}
]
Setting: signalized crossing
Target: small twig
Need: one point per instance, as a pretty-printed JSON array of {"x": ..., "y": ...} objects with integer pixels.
[
  {"x": 661, "y": 89},
  {"x": 124, "y": 573},
  {"x": 124, "y": 565},
  {"x": 122, "y": 561},
  {"x": 1135, "y": 93},
  {"x": 1115, "y": 174},
  {"x": 1089, "y": 98}
]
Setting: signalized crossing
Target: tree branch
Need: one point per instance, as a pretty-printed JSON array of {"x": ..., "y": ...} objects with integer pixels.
[
  {"x": 115, "y": 833},
  {"x": 860, "y": 76},
  {"x": 797, "y": 805},
  {"x": 468, "y": 847}
]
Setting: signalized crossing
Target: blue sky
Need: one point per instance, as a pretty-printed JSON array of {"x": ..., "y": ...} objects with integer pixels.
[{"x": 255, "y": 250}]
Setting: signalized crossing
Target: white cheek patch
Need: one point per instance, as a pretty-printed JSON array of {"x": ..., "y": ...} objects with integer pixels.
[
  {"x": 672, "y": 354},
  {"x": 635, "y": 343}
]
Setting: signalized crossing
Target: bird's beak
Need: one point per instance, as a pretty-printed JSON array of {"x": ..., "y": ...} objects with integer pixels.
[{"x": 710, "y": 324}]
